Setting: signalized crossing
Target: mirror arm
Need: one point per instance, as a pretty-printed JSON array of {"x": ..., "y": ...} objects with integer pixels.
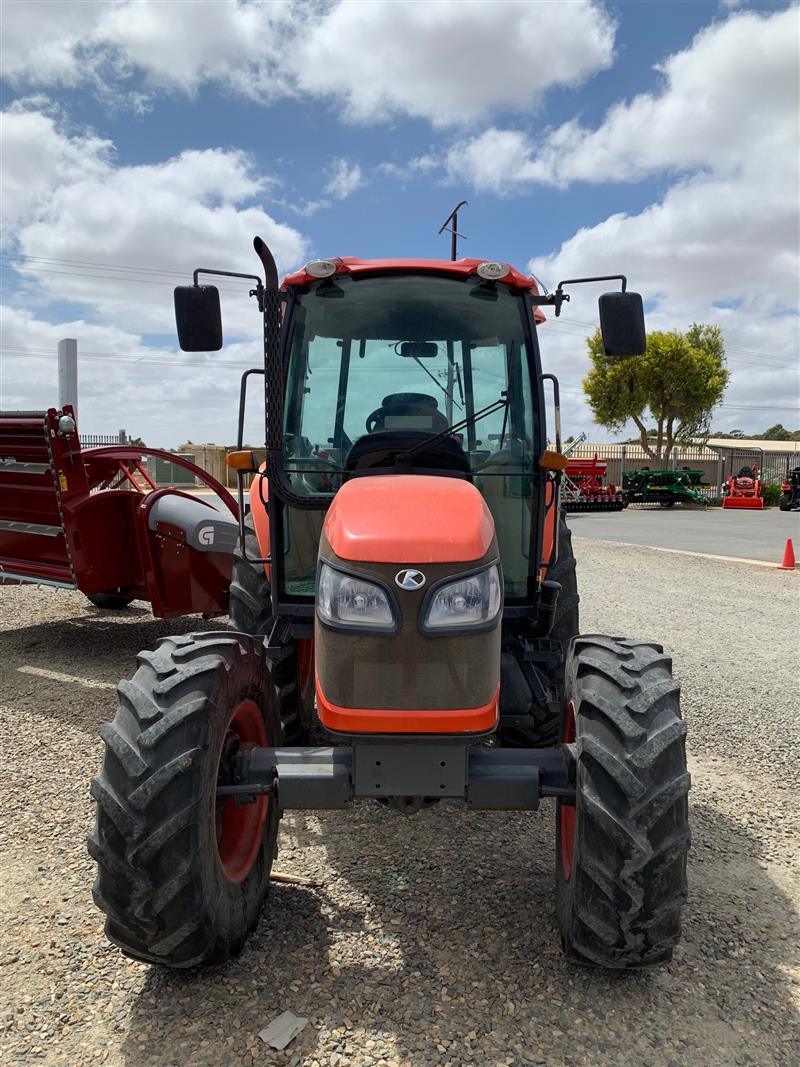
[
  {"x": 559, "y": 297},
  {"x": 258, "y": 292}
]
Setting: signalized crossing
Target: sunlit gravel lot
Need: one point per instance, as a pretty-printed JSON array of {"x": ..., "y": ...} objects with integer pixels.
[{"x": 430, "y": 939}]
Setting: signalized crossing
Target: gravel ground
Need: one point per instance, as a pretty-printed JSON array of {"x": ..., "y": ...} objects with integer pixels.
[{"x": 431, "y": 939}]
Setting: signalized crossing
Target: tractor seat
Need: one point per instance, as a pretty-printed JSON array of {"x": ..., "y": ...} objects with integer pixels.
[
  {"x": 378, "y": 450},
  {"x": 746, "y": 472}
]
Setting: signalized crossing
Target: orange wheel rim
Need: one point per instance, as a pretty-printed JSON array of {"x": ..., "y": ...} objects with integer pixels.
[
  {"x": 240, "y": 828},
  {"x": 567, "y": 814}
]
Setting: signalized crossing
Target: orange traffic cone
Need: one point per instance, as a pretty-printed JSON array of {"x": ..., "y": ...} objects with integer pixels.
[{"x": 788, "y": 557}]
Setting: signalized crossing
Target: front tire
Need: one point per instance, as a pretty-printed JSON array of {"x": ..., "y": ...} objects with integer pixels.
[
  {"x": 182, "y": 875},
  {"x": 621, "y": 848}
]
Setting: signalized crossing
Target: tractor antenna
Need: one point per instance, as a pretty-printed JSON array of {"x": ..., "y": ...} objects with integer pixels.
[{"x": 453, "y": 230}]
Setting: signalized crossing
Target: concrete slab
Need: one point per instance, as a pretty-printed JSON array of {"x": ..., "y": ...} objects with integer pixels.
[{"x": 756, "y": 535}]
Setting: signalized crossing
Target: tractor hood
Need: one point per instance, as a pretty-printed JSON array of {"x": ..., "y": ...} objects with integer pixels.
[
  {"x": 408, "y": 612},
  {"x": 409, "y": 518}
]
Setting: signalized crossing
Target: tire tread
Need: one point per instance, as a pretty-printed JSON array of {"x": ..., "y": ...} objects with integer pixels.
[
  {"x": 633, "y": 834},
  {"x": 149, "y": 796}
]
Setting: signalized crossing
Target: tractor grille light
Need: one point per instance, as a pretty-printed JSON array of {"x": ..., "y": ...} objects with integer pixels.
[
  {"x": 348, "y": 601},
  {"x": 492, "y": 271},
  {"x": 320, "y": 268},
  {"x": 470, "y": 602}
]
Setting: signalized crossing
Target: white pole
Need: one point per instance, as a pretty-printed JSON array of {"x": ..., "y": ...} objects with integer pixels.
[{"x": 68, "y": 373}]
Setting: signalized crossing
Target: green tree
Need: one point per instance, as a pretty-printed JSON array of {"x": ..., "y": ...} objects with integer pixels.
[
  {"x": 776, "y": 433},
  {"x": 677, "y": 383}
]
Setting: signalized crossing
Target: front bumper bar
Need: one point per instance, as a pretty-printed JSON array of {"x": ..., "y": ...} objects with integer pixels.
[{"x": 484, "y": 778}]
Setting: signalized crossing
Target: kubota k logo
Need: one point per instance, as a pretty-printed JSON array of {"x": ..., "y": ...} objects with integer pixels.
[{"x": 410, "y": 579}]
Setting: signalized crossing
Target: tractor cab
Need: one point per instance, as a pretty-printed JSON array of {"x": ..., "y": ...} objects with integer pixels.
[{"x": 425, "y": 368}]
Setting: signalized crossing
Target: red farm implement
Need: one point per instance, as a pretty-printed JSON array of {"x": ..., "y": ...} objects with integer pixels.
[
  {"x": 584, "y": 487},
  {"x": 95, "y": 521},
  {"x": 743, "y": 490}
]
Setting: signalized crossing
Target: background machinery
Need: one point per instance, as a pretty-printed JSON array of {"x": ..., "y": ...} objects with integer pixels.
[
  {"x": 664, "y": 487},
  {"x": 404, "y": 582},
  {"x": 790, "y": 491},
  {"x": 584, "y": 487}
]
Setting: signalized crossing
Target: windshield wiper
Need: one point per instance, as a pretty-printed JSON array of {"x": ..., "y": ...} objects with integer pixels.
[
  {"x": 470, "y": 420},
  {"x": 436, "y": 381}
]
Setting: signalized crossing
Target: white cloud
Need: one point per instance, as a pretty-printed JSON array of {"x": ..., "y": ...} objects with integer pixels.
[
  {"x": 79, "y": 220},
  {"x": 37, "y": 157},
  {"x": 494, "y": 161},
  {"x": 728, "y": 99},
  {"x": 344, "y": 178},
  {"x": 176, "y": 46},
  {"x": 450, "y": 61},
  {"x": 425, "y": 164},
  {"x": 162, "y": 395},
  {"x": 722, "y": 244},
  {"x": 42, "y": 43},
  {"x": 733, "y": 92},
  {"x": 716, "y": 249},
  {"x": 446, "y": 61}
]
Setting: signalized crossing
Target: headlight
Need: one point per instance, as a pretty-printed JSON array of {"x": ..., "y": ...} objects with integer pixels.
[
  {"x": 471, "y": 602},
  {"x": 351, "y": 602}
]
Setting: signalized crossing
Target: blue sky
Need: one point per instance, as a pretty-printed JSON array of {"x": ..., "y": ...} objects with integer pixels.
[{"x": 140, "y": 138}]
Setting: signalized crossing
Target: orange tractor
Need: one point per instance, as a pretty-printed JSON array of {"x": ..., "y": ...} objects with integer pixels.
[
  {"x": 404, "y": 583},
  {"x": 743, "y": 490}
]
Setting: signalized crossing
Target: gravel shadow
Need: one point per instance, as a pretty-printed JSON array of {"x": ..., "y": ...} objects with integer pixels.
[
  {"x": 211, "y": 1016},
  {"x": 96, "y": 646}
]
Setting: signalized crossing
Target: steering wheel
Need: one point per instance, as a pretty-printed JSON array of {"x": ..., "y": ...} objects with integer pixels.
[
  {"x": 406, "y": 404},
  {"x": 319, "y": 475}
]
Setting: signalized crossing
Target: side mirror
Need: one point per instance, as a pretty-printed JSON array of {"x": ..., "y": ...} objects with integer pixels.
[
  {"x": 198, "y": 318},
  {"x": 622, "y": 324}
]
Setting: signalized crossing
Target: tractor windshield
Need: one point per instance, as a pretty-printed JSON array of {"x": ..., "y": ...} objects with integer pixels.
[{"x": 381, "y": 365}]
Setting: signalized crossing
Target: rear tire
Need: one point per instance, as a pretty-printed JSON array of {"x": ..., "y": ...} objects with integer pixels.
[
  {"x": 250, "y": 612},
  {"x": 537, "y": 720},
  {"x": 621, "y": 848},
  {"x": 250, "y": 606},
  {"x": 181, "y": 877}
]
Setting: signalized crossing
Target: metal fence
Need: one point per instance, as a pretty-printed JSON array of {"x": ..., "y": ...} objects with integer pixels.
[
  {"x": 772, "y": 465},
  {"x": 715, "y": 463},
  {"x": 623, "y": 459},
  {"x": 95, "y": 440}
]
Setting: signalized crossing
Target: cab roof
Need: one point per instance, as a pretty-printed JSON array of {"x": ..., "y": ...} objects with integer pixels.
[{"x": 458, "y": 267}]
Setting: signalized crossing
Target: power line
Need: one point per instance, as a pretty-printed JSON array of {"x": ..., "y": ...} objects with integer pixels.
[
  {"x": 118, "y": 278},
  {"x": 145, "y": 360},
  {"x": 84, "y": 263},
  {"x": 119, "y": 272}
]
